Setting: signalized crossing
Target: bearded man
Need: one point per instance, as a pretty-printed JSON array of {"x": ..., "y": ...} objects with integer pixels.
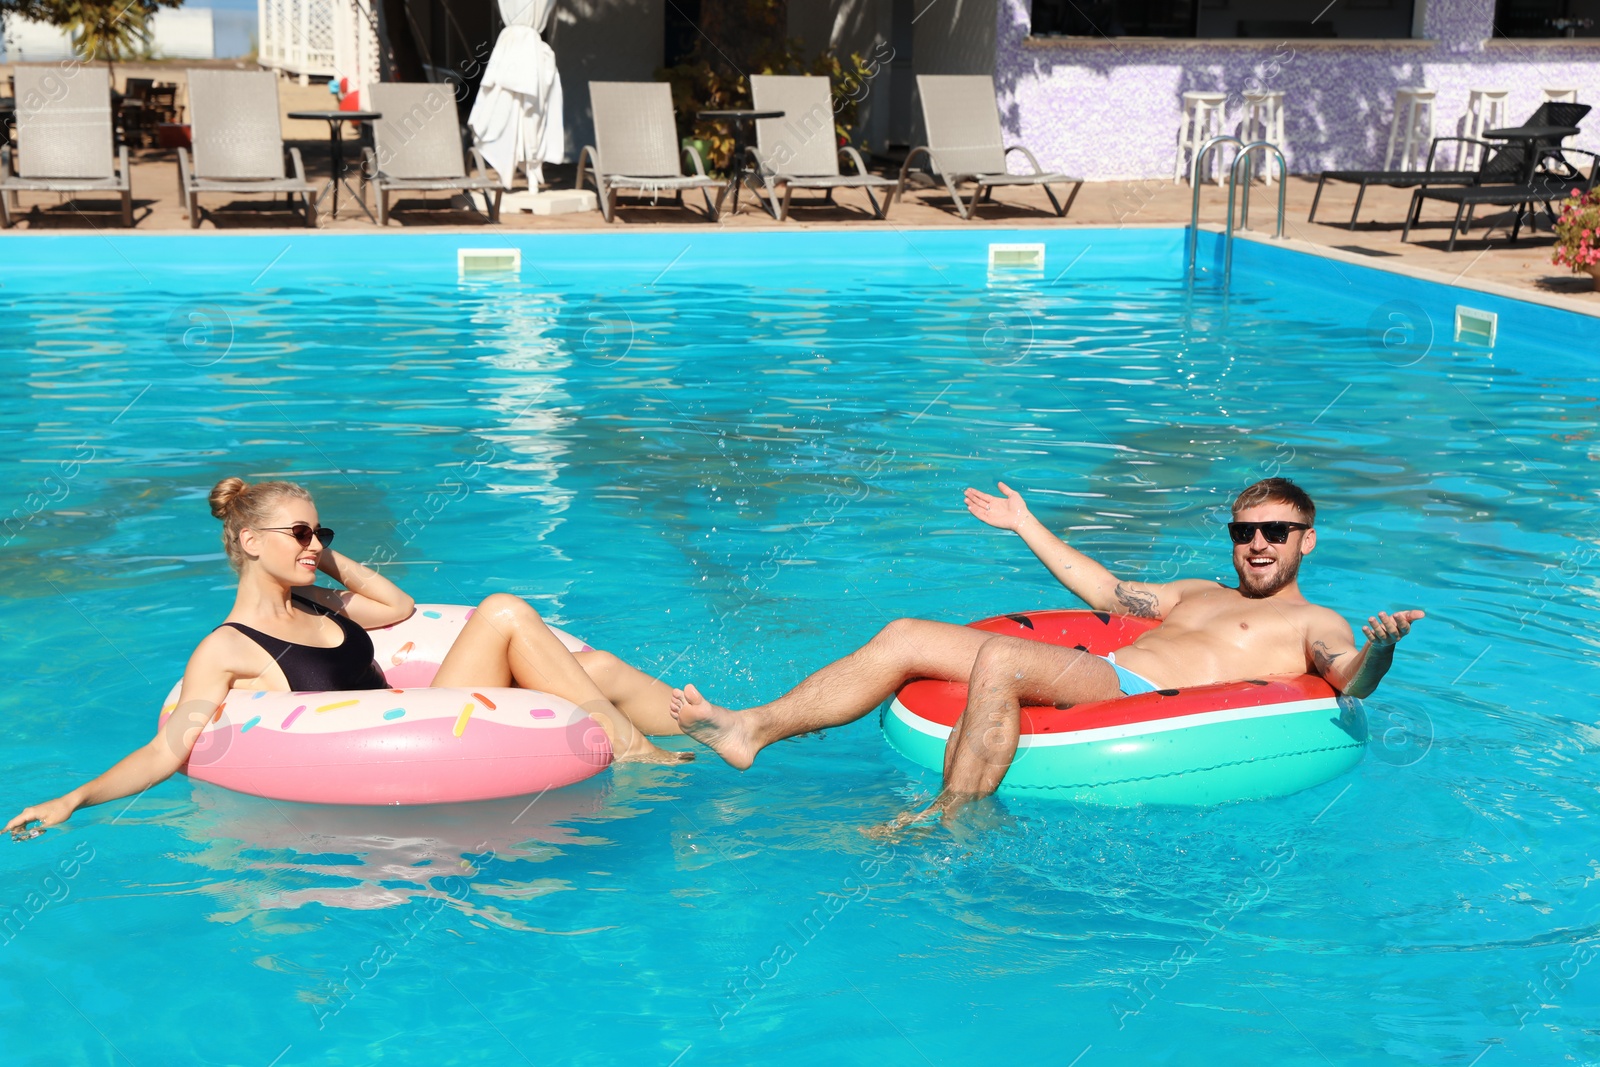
[{"x": 1209, "y": 633}]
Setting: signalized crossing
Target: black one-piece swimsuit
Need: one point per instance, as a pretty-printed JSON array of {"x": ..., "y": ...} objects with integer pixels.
[{"x": 313, "y": 669}]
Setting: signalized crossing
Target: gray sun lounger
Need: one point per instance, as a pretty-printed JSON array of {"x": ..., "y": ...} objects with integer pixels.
[
  {"x": 636, "y": 147},
  {"x": 238, "y": 142},
  {"x": 64, "y": 139},
  {"x": 800, "y": 150},
  {"x": 965, "y": 143},
  {"x": 417, "y": 147}
]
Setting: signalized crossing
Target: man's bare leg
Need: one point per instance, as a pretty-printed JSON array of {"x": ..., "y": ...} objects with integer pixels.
[
  {"x": 1007, "y": 673},
  {"x": 841, "y": 692}
]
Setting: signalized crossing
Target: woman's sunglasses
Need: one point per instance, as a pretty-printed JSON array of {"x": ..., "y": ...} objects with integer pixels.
[
  {"x": 303, "y": 533},
  {"x": 1243, "y": 533}
]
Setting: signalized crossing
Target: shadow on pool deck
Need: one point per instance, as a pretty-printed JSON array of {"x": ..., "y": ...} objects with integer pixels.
[{"x": 1482, "y": 257}]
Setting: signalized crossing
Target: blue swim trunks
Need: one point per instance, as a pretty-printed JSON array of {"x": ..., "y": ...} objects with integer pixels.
[{"x": 1132, "y": 684}]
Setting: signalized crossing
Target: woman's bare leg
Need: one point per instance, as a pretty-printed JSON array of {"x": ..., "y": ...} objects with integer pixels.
[
  {"x": 507, "y": 643},
  {"x": 841, "y": 692},
  {"x": 643, "y": 699}
]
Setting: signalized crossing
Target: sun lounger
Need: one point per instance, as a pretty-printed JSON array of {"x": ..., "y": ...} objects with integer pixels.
[
  {"x": 1544, "y": 189},
  {"x": 63, "y": 139},
  {"x": 636, "y": 147},
  {"x": 238, "y": 142},
  {"x": 417, "y": 147},
  {"x": 801, "y": 150},
  {"x": 965, "y": 143},
  {"x": 1502, "y": 163}
]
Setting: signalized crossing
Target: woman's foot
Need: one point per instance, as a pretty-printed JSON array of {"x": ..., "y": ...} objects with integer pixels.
[
  {"x": 727, "y": 733},
  {"x": 645, "y": 752}
]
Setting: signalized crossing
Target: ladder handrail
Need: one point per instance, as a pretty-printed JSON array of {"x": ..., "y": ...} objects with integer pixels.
[
  {"x": 1194, "y": 183},
  {"x": 1239, "y": 160}
]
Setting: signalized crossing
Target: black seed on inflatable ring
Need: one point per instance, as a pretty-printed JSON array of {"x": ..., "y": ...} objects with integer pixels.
[
  {"x": 1103, "y": 616},
  {"x": 1081, "y": 648},
  {"x": 1168, "y": 692},
  {"x": 1021, "y": 620},
  {"x": 1255, "y": 681}
]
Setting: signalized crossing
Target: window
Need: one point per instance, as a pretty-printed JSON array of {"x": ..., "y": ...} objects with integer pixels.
[
  {"x": 1547, "y": 18},
  {"x": 1274, "y": 19}
]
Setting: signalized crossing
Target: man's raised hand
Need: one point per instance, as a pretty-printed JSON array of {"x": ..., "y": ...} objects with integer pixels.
[
  {"x": 1002, "y": 512},
  {"x": 1384, "y": 629}
]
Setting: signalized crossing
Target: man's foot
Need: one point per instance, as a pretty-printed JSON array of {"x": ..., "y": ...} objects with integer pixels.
[
  {"x": 727, "y": 733},
  {"x": 944, "y": 808},
  {"x": 891, "y": 829}
]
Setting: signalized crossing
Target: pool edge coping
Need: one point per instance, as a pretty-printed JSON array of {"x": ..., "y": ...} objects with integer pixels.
[{"x": 1553, "y": 301}]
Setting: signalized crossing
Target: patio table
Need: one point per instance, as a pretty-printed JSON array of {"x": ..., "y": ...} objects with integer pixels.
[
  {"x": 335, "y": 121},
  {"x": 743, "y": 122}
]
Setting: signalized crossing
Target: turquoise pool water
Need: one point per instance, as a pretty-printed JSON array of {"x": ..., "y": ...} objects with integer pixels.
[{"x": 730, "y": 459}]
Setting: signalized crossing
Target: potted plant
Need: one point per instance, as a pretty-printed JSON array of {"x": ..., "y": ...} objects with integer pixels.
[{"x": 1578, "y": 234}]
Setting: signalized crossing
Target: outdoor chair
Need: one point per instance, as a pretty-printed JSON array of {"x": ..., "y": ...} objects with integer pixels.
[
  {"x": 636, "y": 147},
  {"x": 64, "y": 140},
  {"x": 134, "y": 110},
  {"x": 1545, "y": 188},
  {"x": 162, "y": 103},
  {"x": 801, "y": 150},
  {"x": 965, "y": 143},
  {"x": 238, "y": 143},
  {"x": 1502, "y": 163},
  {"x": 416, "y": 147}
]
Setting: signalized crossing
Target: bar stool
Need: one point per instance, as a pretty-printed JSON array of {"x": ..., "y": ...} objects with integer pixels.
[
  {"x": 1202, "y": 120},
  {"x": 1486, "y": 110},
  {"x": 1412, "y": 125},
  {"x": 1263, "y": 121}
]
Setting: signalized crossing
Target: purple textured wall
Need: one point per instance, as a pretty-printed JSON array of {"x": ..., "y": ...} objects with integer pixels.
[{"x": 1110, "y": 110}]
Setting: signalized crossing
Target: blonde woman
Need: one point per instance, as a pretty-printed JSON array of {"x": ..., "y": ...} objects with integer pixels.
[{"x": 285, "y": 633}]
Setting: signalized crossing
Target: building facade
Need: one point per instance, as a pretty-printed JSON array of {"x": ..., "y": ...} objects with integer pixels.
[{"x": 1094, "y": 87}]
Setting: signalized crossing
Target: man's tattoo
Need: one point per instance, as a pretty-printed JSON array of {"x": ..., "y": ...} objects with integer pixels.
[
  {"x": 1136, "y": 602},
  {"x": 1322, "y": 657}
]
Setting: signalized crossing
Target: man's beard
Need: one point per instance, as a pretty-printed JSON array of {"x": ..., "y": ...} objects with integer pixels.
[{"x": 1258, "y": 588}]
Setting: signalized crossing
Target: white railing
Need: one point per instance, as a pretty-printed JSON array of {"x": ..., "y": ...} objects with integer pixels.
[{"x": 320, "y": 38}]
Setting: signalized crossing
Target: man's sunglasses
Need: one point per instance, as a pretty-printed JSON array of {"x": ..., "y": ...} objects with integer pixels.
[
  {"x": 1276, "y": 533},
  {"x": 303, "y": 533}
]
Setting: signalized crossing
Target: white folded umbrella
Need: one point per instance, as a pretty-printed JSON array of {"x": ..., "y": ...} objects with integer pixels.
[{"x": 517, "y": 116}]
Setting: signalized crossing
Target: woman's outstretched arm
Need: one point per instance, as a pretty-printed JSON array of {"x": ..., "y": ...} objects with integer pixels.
[{"x": 205, "y": 685}]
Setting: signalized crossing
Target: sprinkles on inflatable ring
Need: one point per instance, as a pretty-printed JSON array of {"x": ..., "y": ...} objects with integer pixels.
[
  {"x": 1210, "y": 744},
  {"x": 409, "y": 744}
]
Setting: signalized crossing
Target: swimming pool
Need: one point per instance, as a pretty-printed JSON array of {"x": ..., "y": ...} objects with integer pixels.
[{"x": 730, "y": 458}]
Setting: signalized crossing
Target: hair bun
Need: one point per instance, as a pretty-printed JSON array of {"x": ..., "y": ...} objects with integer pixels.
[{"x": 224, "y": 494}]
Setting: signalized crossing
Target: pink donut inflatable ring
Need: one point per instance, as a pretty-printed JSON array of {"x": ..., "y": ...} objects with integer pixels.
[{"x": 409, "y": 744}]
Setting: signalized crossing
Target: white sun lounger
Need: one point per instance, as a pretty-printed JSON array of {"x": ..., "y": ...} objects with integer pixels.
[
  {"x": 238, "y": 142},
  {"x": 965, "y": 143},
  {"x": 417, "y": 147},
  {"x": 64, "y": 139},
  {"x": 636, "y": 147},
  {"x": 800, "y": 150}
]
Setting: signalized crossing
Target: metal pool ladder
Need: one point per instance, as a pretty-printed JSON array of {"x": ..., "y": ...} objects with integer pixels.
[{"x": 1241, "y": 160}]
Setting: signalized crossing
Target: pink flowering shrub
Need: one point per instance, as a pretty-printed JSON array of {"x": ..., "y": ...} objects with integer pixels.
[{"x": 1578, "y": 232}]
